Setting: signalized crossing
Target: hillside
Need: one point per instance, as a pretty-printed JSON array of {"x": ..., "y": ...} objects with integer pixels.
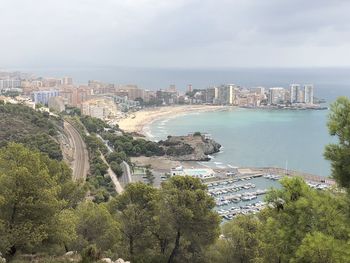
[{"x": 35, "y": 129}]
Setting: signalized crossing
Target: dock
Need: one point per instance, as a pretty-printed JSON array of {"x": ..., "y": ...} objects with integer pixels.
[
  {"x": 292, "y": 173},
  {"x": 246, "y": 172}
]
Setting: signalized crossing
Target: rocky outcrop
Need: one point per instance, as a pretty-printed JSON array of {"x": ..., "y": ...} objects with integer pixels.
[
  {"x": 119, "y": 260},
  {"x": 194, "y": 147}
]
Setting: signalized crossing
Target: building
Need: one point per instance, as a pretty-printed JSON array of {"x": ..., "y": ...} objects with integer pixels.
[
  {"x": 276, "y": 96},
  {"x": 9, "y": 84},
  {"x": 57, "y": 103},
  {"x": 131, "y": 91},
  {"x": 202, "y": 173},
  {"x": 309, "y": 94},
  {"x": 259, "y": 90},
  {"x": 172, "y": 88},
  {"x": 296, "y": 94},
  {"x": 75, "y": 95},
  {"x": 303, "y": 94},
  {"x": 189, "y": 88},
  {"x": 99, "y": 87},
  {"x": 101, "y": 108},
  {"x": 51, "y": 82},
  {"x": 67, "y": 81},
  {"x": 210, "y": 95},
  {"x": 43, "y": 96},
  {"x": 226, "y": 94},
  {"x": 149, "y": 95},
  {"x": 167, "y": 97}
]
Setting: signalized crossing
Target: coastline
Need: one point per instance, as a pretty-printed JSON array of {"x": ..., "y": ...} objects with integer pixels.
[{"x": 137, "y": 121}]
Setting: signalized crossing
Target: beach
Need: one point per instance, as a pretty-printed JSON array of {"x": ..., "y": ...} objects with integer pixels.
[{"x": 136, "y": 121}]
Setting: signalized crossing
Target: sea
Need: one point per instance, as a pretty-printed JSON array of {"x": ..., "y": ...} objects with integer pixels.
[{"x": 250, "y": 137}]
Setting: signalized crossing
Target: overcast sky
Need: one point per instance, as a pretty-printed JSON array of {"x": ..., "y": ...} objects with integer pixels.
[{"x": 174, "y": 33}]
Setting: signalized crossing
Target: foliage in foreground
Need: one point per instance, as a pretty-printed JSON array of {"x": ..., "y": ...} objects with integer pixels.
[
  {"x": 300, "y": 225},
  {"x": 36, "y": 198},
  {"x": 42, "y": 211}
]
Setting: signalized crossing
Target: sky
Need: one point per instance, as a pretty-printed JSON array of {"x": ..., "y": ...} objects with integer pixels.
[{"x": 174, "y": 33}]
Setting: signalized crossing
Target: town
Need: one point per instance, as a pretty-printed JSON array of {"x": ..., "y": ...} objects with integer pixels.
[{"x": 110, "y": 101}]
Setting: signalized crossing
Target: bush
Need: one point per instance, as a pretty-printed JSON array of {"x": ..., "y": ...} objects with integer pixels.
[
  {"x": 197, "y": 134},
  {"x": 90, "y": 254}
]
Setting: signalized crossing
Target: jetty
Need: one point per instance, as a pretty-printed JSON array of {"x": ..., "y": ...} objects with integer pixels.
[
  {"x": 247, "y": 172},
  {"x": 293, "y": 173}
]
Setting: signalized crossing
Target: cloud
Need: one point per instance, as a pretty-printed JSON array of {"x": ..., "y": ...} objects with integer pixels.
[{"x": 181, "y": 33}]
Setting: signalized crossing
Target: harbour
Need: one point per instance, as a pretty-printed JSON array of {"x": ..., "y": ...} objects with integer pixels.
[{"x": 241, "y": 191}]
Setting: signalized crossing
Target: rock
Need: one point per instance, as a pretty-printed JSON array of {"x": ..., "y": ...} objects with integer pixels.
[
  {"x": 2, "y": 260},
  {"x": 70, "y": 253},
  {"x": 107, "y": 260},
  {"x": 194, "y": 147}
]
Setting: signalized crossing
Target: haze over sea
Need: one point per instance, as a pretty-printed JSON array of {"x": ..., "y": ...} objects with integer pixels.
[{"x": 295, "y": 139}]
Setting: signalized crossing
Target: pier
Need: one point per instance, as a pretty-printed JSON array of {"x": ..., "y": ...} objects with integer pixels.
[
  {"x": 292, "y": 173},
  {"x": 246, "y": 172}
]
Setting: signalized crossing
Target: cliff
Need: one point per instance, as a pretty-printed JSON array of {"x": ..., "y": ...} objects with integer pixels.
[{"x": 189, "y": 148}]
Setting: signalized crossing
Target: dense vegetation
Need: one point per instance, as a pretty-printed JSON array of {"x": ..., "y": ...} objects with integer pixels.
[
  {"x": 42, "y": 211},
  {"x": 37, "y": 196},
  {"x": 93, "y": 125},
  {"x": 101, "y": 185},
  {"x": 133, "y": 147},
  {"x": 35, "y": 129}
]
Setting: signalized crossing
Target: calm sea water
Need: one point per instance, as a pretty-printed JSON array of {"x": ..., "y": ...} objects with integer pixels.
[{"x": 295, "y": 139}]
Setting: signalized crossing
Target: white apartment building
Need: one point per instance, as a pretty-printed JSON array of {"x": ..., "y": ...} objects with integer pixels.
[
  {"x": 225, "y": 94},
  {"x": 8, "y": 84},
  {"x": 309, "y": 93},
  {"x": 276, "y": 96}
]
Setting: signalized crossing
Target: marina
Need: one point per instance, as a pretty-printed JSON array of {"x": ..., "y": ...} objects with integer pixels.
[{"x": 241, "y": 191}]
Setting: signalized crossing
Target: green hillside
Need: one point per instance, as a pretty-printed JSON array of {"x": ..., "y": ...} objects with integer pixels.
[{"x": 35, "y": 129}]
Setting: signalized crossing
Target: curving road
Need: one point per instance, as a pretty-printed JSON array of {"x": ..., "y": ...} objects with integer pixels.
[
  {"x": 80, "y": 164},
  {"x": 118, "y": 187}
]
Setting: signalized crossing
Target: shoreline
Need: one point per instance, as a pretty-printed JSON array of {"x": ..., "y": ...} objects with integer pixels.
[{"x": 137, "y": 121}]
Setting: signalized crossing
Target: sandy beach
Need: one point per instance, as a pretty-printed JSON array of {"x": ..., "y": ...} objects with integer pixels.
[{"x": 135, "y": 122}]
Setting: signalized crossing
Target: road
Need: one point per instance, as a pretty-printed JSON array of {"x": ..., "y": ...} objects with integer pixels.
[
  {"x": 126, "y": 177},
  {"x": 117, "y": 186},
  {"x": 80, "y": 164}
]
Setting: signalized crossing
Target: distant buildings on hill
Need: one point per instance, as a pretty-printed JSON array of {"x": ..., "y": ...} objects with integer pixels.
[{"x": 95, "y": 97}]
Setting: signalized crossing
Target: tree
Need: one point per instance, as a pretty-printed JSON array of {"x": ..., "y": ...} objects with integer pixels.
[
  {"x": 187, "y": 214},
  {"x": 95, "y": 225},
  {"x": 29, "y": 198},
  {"x": 140, "y": 100},
  {"x": 240, "y": 241},
  {"x": 320, "y": 248},
  {"x": 134, "y": 210},
  {"x": 150, "y": 176},
  {"x": 295, "y": 211},
  {"x": 116, "y": 168},
  {"x": 339, "y": 154}
]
